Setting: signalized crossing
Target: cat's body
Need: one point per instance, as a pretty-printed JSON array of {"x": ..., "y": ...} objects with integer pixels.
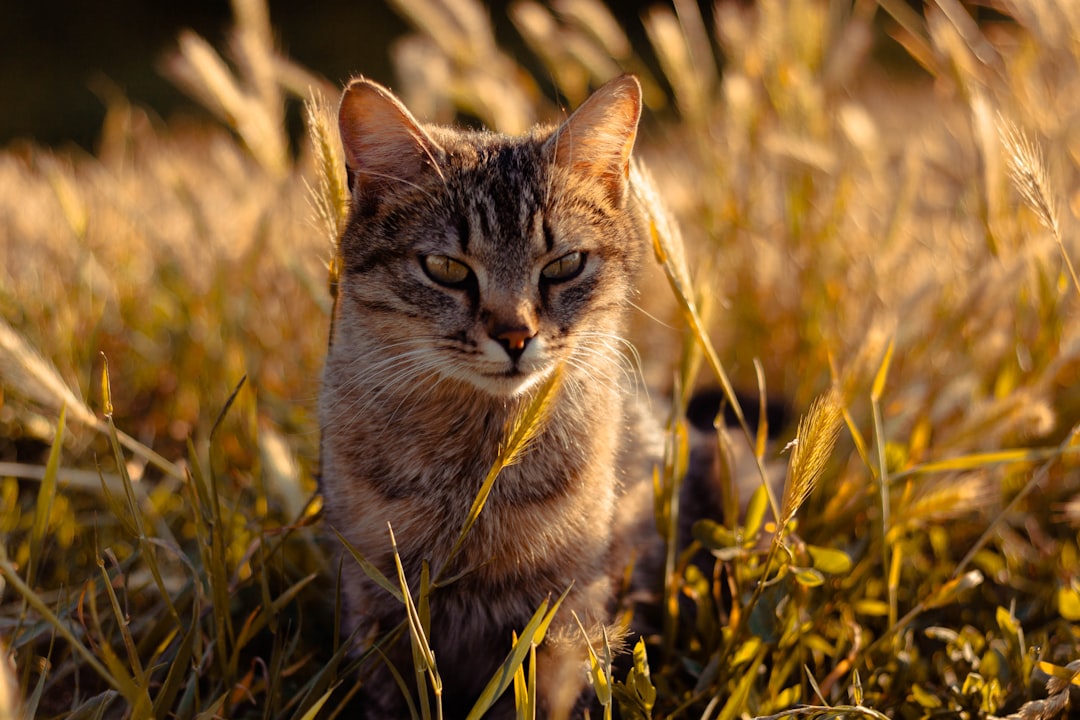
[{"x": 475, "y": 265}]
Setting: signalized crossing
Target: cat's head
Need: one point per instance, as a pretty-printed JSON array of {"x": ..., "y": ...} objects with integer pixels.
[{"x": 481, "y": 257}]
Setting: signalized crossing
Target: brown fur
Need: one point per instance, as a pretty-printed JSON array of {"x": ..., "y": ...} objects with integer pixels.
[{"x": 423, "y": 376}]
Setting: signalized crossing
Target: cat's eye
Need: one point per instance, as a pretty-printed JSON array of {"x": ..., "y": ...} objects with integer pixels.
[
  {"x": 445, "y": 270},
  {"x": 565, "y": 268}
]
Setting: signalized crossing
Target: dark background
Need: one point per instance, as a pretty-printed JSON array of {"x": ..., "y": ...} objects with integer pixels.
[{"x": 59, "y": 60}]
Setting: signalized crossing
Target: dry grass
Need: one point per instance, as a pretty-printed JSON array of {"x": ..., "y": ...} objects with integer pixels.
[{"x": 902, "y": 248}]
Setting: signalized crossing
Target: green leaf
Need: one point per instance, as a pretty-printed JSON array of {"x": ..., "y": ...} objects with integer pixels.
[
  {"x": 829, "y": 560},
  {"x": 974, "y": 682},
  {"x": 873, "y": 608},
  {"x": 642, "y": 679},
  {"x": 260, "y": 619},
  {"x": 1068, "y": 600},
  {"x": 950, "y": 591},
  {"x": 542, "y": 630},
  {"x": 926, "y": 699},
  {"x": 755, "y": 513},
  {"x": 11, "y": 577},
  {"x": 106, "y": 387},
  {"x": 980, "y": 461},
  {"x": 746, "y": 652},
  {"x": 808, "y": 577},
  {"x": 713, "y": 535},
  {"x": 1006, "y": 622}
]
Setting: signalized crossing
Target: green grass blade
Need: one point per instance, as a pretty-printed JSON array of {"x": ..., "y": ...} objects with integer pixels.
[
  {"x": 43, "y": 505},
  {"x": 402, "y": 685},
  {"x": 423, "y": 655},
  {"x": 316, "y": 708},
  {"x": 13, "y": 580},
  {"x": 541, "y": 631},
  {"x": 519, "y": 435},
  {"x": 599, "y": 671},
  {"x": 735, "y": 705},
  {"x": 179, "y": 667},
  {"x": 684, "y": 297},
  {"x": 262, "y": 617},
  {"x": 369, "y": 569},
  {"x": 878, "y": 389},
  {"x": 122, "y": 624},
  {"x": 33, "y": 699},
  {"x": 876, "y": 393},
  {"x": 133, "y": 507},
  {"x": 504, "y": 676},
  {"x": 128, "y": 686},
  {"x": 976, "y": 461}
]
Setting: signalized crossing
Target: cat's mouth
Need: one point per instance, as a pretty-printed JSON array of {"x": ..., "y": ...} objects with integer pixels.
[{"x": 510, "y": 382}]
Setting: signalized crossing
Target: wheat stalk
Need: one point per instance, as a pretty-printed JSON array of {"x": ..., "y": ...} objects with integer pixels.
[
  {"x": 818, "y": 432},
  {"x": 330, "y": 196},
  {"x": 34, "y": 377},
  {"x": 1027, "y": 168}
]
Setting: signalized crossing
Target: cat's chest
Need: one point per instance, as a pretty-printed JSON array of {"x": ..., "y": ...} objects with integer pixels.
[{"x": 449, "y": 471}]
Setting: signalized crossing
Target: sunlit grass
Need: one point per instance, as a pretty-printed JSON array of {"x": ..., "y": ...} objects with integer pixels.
[{"x": 892, "y": 254}]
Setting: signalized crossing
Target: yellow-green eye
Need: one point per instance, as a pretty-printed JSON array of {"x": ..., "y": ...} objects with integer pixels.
[
  {"x": 445, "y": 270},
  {"x": 565, "y": 268}
]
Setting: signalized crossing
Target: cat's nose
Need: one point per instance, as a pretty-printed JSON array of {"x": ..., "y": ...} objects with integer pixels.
[{"x": 514, "y": 340}]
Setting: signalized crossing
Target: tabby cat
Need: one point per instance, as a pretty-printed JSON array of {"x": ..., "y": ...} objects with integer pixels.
[{"x": 476, "y": 265}]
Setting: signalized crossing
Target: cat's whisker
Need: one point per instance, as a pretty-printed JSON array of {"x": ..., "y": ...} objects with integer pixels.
[
  {"x": 426, "y": 377},
  {"x": 395, "y": 178},
  {"x": 589, "y": 371},
  {"x": 366, "y": 372},
  {"x": 382, "y": 375},
  {"x": 630, "y": 359},
  {"x": 662, "y": 323}
]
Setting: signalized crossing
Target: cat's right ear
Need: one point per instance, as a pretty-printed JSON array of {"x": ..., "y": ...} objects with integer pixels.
[{"x": 384, "y": 144}]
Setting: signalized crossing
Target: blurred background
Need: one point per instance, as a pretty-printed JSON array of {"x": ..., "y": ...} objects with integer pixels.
[
  {"x": 61, "y": 61},
  {"x": 879, "y": 196}
]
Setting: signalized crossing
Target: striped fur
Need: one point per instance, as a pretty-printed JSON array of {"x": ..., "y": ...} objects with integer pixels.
[{"x": 424, "y": 374}]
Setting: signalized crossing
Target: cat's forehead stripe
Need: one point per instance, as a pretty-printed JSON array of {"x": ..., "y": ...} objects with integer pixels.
[{"x": 463, "y": 234}]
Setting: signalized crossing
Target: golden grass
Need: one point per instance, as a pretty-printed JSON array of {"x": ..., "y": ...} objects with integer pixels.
[{"x": 902, "y": 247}]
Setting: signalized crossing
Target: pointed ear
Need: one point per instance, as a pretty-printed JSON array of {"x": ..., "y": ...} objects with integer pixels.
[
  {"x": 384, "y": 144},
  {"x": 595, "y": 142}
]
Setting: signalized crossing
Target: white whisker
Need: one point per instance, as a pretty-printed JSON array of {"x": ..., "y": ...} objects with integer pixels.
[{"x": 395, "y": 178}]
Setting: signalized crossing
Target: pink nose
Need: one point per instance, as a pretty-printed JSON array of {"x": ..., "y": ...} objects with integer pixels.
[{"x": 514, "y": 340}]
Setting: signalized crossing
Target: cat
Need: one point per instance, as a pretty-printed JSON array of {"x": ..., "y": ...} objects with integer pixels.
[{"x": 474, "y": 266}]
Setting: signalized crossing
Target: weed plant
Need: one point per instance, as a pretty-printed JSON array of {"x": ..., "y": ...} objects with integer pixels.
[{"x": 892, "y": 253}]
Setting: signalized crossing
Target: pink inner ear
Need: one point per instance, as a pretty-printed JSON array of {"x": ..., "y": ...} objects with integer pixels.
[
  {"x": 383, "y": 142},
  {"x": 598, "y": 138}
]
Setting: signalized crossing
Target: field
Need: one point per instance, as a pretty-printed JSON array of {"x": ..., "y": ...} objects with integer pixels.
[{"x": 889, "y": 253}]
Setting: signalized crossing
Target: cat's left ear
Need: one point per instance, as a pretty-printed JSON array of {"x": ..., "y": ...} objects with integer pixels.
[
  {"x": 597, "y": 139},
  {"x": 385, "y": 147}
]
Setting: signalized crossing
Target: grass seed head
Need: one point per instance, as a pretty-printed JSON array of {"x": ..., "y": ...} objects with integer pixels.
[{"x": 817, "y": 435}]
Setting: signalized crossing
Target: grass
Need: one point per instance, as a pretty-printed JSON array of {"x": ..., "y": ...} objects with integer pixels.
[{"x": 900, "y": 247}]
